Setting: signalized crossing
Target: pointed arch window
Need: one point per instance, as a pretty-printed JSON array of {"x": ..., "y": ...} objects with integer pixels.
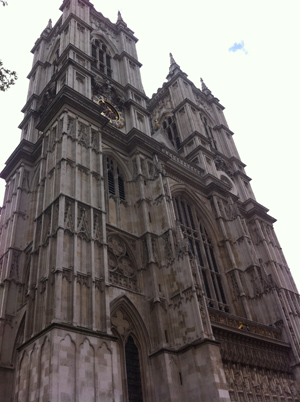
[
  {"x": 115, "y": 181},
  {"x": 101, "y": 57},
  {"x": 170, "y": 127},
  {"x": 133, "y": 372},
  {"x": 201, "y": 246}
]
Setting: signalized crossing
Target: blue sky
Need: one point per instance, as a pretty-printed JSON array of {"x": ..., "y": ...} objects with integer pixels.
[{"x": 238, "y": 46}]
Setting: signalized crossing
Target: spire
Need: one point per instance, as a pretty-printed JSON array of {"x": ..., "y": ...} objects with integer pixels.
[
  {"x": 204, "y": 88},
  {"x": 172, "y": 60},
  {"x": 120, "y": 20},
  {"x": 173, "y": 67},
  {"x": 49, "y": 26}
]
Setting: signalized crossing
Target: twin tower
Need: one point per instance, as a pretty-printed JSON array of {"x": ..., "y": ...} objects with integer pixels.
[{"x": 135, "y": 263}]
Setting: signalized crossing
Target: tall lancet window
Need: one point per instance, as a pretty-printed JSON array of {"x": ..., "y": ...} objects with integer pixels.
[
  {"x": 114, "y": 180},
  {"x": 101, "y": 57},
  {"x": 201, "y": 246},
  {"x": 170, "y": 128},
  {"x": 133, "y": 372}
]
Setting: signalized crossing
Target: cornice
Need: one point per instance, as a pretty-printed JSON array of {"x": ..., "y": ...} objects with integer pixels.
[
  {"x": 70, "y": 328},
  {"x": 69, "y": 97},
  {"x": 253, "y": 209},
  {"x": 184, "y": 102},
  {"x": 25, "y": 151},
  {"x": 193, "y": 345},
  {"x": 223, "y": 127},
  {"x": 142, "y": 109},
  {"x": 39, "y": 63},
  {"x": 129, "y": 87},
  {"x": 131, "y": 58},
  {"x": 29, "y": 101},
  {"x": 193, "y": 135}
]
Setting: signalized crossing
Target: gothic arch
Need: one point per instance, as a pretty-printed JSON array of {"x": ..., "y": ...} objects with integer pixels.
[
  {"x": 129, "y": 328},
  {"x": 165, "y": 115},
  {"x": 129, "y": 249},
  {"x": 119, "y": 161},
  {"x": 207, "y": 216},
  {"x": 100, "y": 35},
  {"x": 202, "y": 239},
  {"x": 55, "y": 47},
  {"x": 103, "y": 53},
  {"x": 136, "y": 326}
]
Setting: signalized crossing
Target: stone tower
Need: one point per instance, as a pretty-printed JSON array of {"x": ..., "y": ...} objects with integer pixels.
[{"x": 136, "y": 264}]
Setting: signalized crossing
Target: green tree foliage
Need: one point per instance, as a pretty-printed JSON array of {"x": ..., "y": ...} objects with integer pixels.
[{"x": 7, "y": 78}]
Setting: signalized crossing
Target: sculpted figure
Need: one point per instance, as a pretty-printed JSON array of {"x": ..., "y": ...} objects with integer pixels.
[{"x": 238, "y": 378}]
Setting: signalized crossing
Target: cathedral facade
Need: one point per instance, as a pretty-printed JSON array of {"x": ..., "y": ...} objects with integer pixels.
[{"x": 135, "y": 263}]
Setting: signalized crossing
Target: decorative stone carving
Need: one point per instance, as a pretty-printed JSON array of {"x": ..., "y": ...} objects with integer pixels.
[
  {"x": 231, "y": 210},
  {"x": 97, "y": 230},
  {"x": 68, "y": 219},
  {"x": 46, "y": 227},
  {"x": 99, "y": 283},
  {"x": 83, "y": 279},
  {"x": 248, "y": 383},
  {"x": 71, "y": 127},
  {"x": 25, "y": 181},
  {"x": 221, "y": 164},
  {"x": 67, "y": 274},
  {"x": 102, "y": 27},
  {"x": 121, "y": 267},
  {"x": 168, "y": 248},
  {"x": 83, "y": 226},
  {"x": 14, "y": 267},
  {"x": 120, "y": 322},
  {"x": 83, "y": 134},
  {"x": 95, "y": 140}
]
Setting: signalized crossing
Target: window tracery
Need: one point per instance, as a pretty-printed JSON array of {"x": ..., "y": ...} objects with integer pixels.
[
  {"x": 201, "y": 246},
  {"x": 122, "y": 271},
  {"x": 101, "y": 57},
  {"x": 169, "y": 125}
]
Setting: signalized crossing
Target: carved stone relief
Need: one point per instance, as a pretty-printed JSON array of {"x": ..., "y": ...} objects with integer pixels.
[
  {"x": 97, "y": 230},
  {"x": 248, "y": 383},
  {"x": 71, "y": 127},
  {"x": 121, "y": 323},
  {"x": 69, "y": 216},
  {"x": 83, "y": 134},
  {"x": 221, "y": 164},
  {"x": 83, "y": 222},
  {"x": 231, "y": 210}
]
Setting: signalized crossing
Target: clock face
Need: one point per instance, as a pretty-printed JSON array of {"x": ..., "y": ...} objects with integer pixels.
[{"x": 112, "y": 112}]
